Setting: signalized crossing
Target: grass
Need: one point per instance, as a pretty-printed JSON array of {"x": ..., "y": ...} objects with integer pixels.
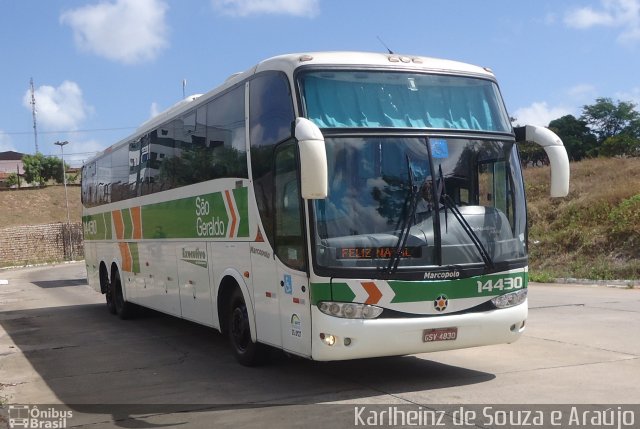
[
  {"x": 34, "y": 206},
  {"x": 594, "y": 232}
]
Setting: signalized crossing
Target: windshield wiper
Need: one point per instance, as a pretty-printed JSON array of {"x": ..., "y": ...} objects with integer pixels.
[
  {"x": 448, "y": 202},
  {"x": 405, "y": 229}
]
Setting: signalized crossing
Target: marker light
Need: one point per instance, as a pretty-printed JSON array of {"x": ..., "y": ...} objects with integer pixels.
[
  {"x": 348, "y": 310},
  {"x": 328, "y": 339},
  {"x": 510, "y": 299}
]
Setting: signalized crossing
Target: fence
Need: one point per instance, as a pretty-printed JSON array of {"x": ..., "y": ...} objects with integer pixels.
[{"x": 22, "y": 245}]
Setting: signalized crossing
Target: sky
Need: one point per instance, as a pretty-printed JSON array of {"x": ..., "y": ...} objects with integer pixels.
[{"x": 102, "y": 67}]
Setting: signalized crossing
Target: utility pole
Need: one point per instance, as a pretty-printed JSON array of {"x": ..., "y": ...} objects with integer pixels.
[
  {"x": 34, "y": 113},
  {"x": 66, "y": 199}
]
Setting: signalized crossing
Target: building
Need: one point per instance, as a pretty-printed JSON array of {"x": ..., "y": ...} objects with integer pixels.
[{"x": 10, "y": 162}]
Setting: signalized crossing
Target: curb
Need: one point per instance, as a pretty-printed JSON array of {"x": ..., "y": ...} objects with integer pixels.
[{"x": 620, "y": 284}]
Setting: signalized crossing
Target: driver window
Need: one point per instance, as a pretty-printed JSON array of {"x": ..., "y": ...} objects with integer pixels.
[{"x": 289, "y": 238}]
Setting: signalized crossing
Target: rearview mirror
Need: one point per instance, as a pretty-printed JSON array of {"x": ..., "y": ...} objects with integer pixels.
[
  {"x": 313, "y": 160},
  {"x": 558, "y": 159}
]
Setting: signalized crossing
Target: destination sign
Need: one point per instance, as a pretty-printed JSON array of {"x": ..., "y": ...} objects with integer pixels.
[{"x": 376, "y": 252}]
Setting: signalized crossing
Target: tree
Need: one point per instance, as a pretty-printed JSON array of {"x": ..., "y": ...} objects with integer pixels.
[
  {"x": 576, "y": 136},
  {"x": 38, "y": 169},
  {"x": 607, "y": 118},
  {"x": 12, "y": 179},
  {"x": 623, "y": 144}
]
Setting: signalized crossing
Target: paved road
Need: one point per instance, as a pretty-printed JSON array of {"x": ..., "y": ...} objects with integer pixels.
[{"x": 59, "y": 345}]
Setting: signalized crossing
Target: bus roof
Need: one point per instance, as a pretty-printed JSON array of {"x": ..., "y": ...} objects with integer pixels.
[{"x": 289, "y": 62}]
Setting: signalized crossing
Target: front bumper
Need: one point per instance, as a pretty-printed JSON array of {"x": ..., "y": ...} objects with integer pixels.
[{"x": 401, "y": 336}]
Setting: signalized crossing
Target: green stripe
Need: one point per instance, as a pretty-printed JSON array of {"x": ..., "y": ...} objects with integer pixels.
[
  {"x": 128, "y": 224},
  {"x": 97, "y": 227},
  {"x": 454, "y": 289},
  {"x": 135, "y": 256},
  {"x": 424, "y": 291},
  {"x": 323, "y": 292},
  {"x": 203, "y": 216},
  {"x": 240, "y": 195}
]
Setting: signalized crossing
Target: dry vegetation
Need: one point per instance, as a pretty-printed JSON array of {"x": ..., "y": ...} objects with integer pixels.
[
  {"x": 592, "y": 233},
  {"x": 33, "y": 206}
]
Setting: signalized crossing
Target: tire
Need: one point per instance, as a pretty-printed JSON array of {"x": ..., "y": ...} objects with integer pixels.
[
  {"x": 108, "y": 292},
  {"x": 245, "y": 351},
  {"x": 123, "y": 309}
]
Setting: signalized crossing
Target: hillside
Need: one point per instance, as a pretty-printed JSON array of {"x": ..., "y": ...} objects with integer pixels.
[
  {"x": 33, "y": 206},
  {"x": 592, "y": 233}
]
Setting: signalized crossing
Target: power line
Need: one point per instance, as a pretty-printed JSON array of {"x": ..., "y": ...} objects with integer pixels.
[{"x": 92, "y": 130}]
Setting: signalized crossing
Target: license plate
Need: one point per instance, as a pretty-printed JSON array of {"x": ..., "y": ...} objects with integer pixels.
[{"x": 440, "y": 334}]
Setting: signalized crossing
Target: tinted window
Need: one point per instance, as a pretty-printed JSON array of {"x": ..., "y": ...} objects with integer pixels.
[
  {"x": 203, "y": 144},
  {"x": 120, "y": 174},
  {"x": 271, "y": 115},
  {"x": 226, "y": 134}
]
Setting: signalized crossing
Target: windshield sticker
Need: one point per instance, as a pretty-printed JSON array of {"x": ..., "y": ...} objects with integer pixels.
[{"x": 439, "y": 148}]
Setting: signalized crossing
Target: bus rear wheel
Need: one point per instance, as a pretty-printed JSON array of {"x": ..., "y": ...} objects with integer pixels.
[
  {"x": 108, "y": 292},
  {"x": 124, "y": 309},
  {"x": 244, "y": 349}
]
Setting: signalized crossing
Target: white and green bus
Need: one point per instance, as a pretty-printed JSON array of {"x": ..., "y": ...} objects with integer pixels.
[{"x": 333, "y": 205}]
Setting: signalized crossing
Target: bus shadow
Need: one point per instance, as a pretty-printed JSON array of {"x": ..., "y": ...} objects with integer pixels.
[
  {"x": 97, "y": 364},
  {"x": 47, "y": 284}
]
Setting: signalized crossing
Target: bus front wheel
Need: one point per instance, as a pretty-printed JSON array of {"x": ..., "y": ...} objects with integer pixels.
[{"x": 244, "y": 349}]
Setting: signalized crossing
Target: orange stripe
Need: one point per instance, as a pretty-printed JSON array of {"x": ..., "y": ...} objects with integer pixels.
[
  {"x": 118, "y": 224},
  {"x": 127, "y": 260},
  {"x": 233, "y": 214},
  {"x": 373, "y": 291},
  {"x": 136, "y": 219}
]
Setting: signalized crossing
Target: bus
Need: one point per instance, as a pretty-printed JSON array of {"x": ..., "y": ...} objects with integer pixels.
[{"x": 335, "y": 205}]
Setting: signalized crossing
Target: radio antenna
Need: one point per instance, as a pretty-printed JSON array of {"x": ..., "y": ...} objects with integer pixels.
[
  {"x": 385, "y": 45},
  {"x": 34, "y": 113}
]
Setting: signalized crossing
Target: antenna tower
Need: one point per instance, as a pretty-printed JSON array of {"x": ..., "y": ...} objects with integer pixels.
[{"x": 34, "y": 112}]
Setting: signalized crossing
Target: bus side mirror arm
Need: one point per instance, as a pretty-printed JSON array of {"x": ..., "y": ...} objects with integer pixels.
[
  {"x": 558, "y": 159},
  {"x": 313, "y": 160}
]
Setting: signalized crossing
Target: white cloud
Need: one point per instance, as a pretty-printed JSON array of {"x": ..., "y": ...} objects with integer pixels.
[
  {"x": 632, "y": 95},
  {"x": 61, "y": 108},
  {"x": 154, "y": 110},
  {"x": 126, "y": 31},
  {"x": 77, "y": 152},
  {"x": 539, "y": 113},
  {"x": 623, "y": 14},
  {"x": 582, "y": 90},
  {"x": 304, "y": 8},
  {"x": 5, "y": 142}
]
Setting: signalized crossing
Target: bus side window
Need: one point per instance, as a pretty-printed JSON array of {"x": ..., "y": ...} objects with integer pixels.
[{"x": 226, "y": 134}]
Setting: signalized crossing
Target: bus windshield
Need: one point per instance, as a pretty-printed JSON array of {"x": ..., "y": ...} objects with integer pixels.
[
  {"x": 387, "y": 99},
  {"x": 422, "y": 201}
]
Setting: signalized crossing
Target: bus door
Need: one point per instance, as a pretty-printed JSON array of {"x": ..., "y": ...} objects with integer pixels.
[{"x": 290, "y": 250}]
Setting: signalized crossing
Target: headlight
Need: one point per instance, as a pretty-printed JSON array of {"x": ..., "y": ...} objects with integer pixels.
[
  {"x": 349, "y": 310},
  {"x": 510, "y": 299}
]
